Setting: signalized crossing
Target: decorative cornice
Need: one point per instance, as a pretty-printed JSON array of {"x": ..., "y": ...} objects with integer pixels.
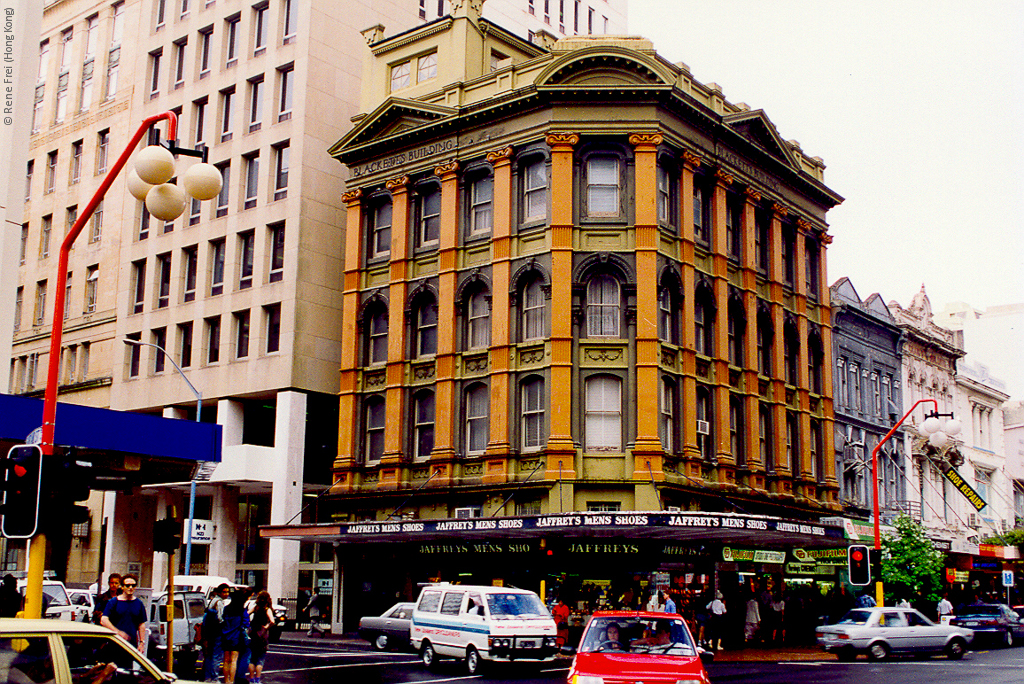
[
  {"x": 723, "y": 176},
  {"x": 496, "y": 156},
  {"x": 752, "y": 194},
  {"x": 645, "y": 139},
  {"x": 826, "y": 239},
  {"x": 352, "y": 196},
  {"x": 562, "y": 139},
  {"x": 446, "y": 168},
  {"x": 396, "y": 184},
  {"x": 804, "y": 225},
  {"x": 780, "y": 210},
  {"x": 691, "y": 159}
]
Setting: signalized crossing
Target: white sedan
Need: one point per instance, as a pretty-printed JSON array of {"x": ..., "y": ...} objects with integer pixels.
[{"x": 881, "y": 632}]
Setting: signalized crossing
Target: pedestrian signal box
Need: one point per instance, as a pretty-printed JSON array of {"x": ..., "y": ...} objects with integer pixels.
[{"x": 859, "y": 565}]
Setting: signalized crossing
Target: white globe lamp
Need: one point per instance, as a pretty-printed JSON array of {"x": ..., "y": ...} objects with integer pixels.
[
  {"x": 138, "y": 187},
  {"x": 202, "y": 181},
  {"x": 953, "y": 427},
  {"x": 165, "y": 202},
  {"x": 938, "y": 439},
  {"x": 155, "y": 164},
  {"x": 932, "y": 425}
]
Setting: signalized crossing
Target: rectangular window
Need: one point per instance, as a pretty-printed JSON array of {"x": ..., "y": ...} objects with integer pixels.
[
  {"x": 276, "y": 252},
  {"x": 44, "y": 61},
  {"x": 477, "y": 419},
  {"x": 30, "y": 168},
  {"x": 231, "y": 41},
  {"x": 92, "y": 278},
  {"x": 227, "y": 98},
  {"x": 184, "y": 7},
  {"x": 812, "y": 266},
  {"x": 199, "y": 121},
  {"x": 241, "y": 334},
  {"x": 252, "y": 179},
  {"x": 117, "y": 25},
  {"x": 19, "y": 298},
  {"x": 76, "y": 162},
  {"x": 481, "y": 195},
  {"x": 24, "y": 243},
  {"x": 281, "y": 164},
  {"x": 259, "y": 41},
  {"x": 67, "y": 42},
  {"x": 291, "y": 20},
  {"x": 62, "y": 100},
  {"x": 286, "y": 79},
  {"x": 734, "y": 227},
  {"x": 246, "y": 251},
  {"x": 272, "y": 314},
  {"x": 217, "y": 249},
  {"x": 40, "y": 311},
  {"x": 159, "y": 338},
  {"x": 255, "y": 104},
  {"x": 213, "y": 339},
  {"x": 664, "y": 196},
  {"x": 701, "y": 214},
  {"x": 161, "y": 7},
  {"x": 134, "y": 352},
  {"x": 423, "y": 424},
  {"x": 144, "y": 223},
  {"x": 179, "y": 63},
  {"x": 426, "y": 67},
  {"x": 138, "y": 285},
  {"x": 788, "y": 256},
  {"x": 603, "y": 186},
  {"x": 191, "y": 271},
  {"x": 205, "y": 45},
  {"x": 603, "y": 414},
  {"x": 154, "y": 72},
  {"x": 163, "y": 264},
  {"x": 400, "y": 76},
  {"x": 429, "y": 216},
  {"x": 85, "y": 92},
  {"x": 763, "y": 238},
  {"x": 380, "y": 232},
  {"x": 533, "y": 414},
  {"x": 102, "y": 149},
  {"x": 535, "y": 191},
  {"x": 185, "y": 344},
  {"x": 67, "y": 294},
  {"x": 44, "y": 236},
  {"x": 225, "y": 189},
  {"x": 51, "y": 171},
  {"x": 113, "y": 71},
  {"x": 70, "y": 219}
]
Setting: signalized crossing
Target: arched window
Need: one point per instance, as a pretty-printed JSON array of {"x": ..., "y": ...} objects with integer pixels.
[
  {"x": 667, "y": 424},
  {"x": 425, "y": 333},
  {"x": 701, "y": 212},
  {"x": 792, "y": 441},
  {"x": 375, "y": 420},
  {"x": 817, "y": 451},
  {"x": 668, "y": 195},
  {"x": 477, "y": 419},
  {"x": 765, "y": 339},
  {"x": 705, "y": 423},
  {"x": 377, "y": 336},
  {"x": 423, "y": 424},
  {"x": 668, "y": 321},
  {"x": 532, "y": 408},
  {"x": 478, "y": 321},
  {"x": 604, "y": 309},
  {"x": 815, "y": 359},
  {"x": 603, "y": 418},
  {"x": 481, "y": 192},
  {"x": 534, "y": 312}
]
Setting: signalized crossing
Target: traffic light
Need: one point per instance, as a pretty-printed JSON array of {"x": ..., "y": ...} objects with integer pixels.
[
  {"x": 68, "y": 481},
  {"x": 23, "y": 476},
  {"x": 859, "y": 564},
  {"x": 167, "y": 534}
]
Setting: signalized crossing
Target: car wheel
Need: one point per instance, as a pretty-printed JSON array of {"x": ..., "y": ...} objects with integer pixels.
[
  {"x": 428, "y": 656},
  {"x": 846, "y": 655},
  {"x": 1008, "y": 639},
  {"x": 381, "y": 642},
  {"x": 473, "y": 661},
  {"x": 878, "y": 651},
  {"x": 955, "y": 649}
]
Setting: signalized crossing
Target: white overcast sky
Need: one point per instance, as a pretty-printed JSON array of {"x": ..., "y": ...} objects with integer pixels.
[{"x": 917, "y": 108}]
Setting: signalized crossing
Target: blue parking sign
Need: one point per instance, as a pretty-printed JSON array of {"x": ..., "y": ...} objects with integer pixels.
[{"x": 1007, "y": 578}]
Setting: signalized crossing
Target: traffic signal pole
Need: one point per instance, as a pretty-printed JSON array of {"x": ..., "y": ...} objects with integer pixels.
[{"x": 37, "y": 547}]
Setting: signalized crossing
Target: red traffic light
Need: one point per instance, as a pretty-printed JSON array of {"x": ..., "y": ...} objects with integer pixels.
[
  {"x": 857, "y": 555},
  {"x": 22, "y": 482}
]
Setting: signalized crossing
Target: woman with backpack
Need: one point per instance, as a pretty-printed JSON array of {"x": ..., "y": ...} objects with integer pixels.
[
  {"x": 235, "y": 632},
  {"x": 261, "y": 617}
]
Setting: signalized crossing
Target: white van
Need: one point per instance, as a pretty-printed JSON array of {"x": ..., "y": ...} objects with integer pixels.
[{"x": 478, "y": 623}]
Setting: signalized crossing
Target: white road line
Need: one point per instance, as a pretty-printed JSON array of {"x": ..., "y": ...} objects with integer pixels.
[{"x": 328, "y": 667}]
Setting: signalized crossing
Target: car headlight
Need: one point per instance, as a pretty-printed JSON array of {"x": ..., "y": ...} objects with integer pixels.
[{"x": 586, "y": 679}]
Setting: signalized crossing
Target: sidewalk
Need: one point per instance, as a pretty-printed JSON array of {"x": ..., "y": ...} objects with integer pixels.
[{"x": 760, "y": 654}]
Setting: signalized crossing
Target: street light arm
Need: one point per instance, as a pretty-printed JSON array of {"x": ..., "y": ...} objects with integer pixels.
[
  {"x": 56, "y": 330},
  {"x": 140, "y": 343}
]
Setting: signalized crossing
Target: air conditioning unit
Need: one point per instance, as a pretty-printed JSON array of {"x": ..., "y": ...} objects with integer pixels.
[
  {"x": 703, "y": 428},
  {"x": 972, "y": 520},
  {"x": 467, "y": 512},
  {"x": 673, "y": 508}
]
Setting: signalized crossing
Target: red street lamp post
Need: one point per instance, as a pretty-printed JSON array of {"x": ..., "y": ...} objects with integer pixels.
[
  {"x": 937, "y": 434},
  {"x": 37, "y": 547}
]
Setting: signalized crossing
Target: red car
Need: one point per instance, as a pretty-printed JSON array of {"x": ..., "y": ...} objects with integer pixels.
[{"x": 620, "y": 647}]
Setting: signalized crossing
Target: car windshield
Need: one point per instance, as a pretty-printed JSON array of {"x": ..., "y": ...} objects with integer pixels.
[
  {"x": 512, "y": 605},
  {"x": 56, "y": 594},
  {"x": 664, "y": 636},
  {"x": 856, "y": 617},
  {"x": 978, "y": 610}
]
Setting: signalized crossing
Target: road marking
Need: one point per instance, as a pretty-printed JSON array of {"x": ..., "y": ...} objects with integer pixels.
[
  {"x": 339, "y": 666},
  {"x": 340, "y": 654}
]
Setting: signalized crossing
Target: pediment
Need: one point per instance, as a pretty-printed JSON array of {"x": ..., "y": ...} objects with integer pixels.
[
  {"x": 393, "y": 117},
  {"x": 758, "y": 129},
  {"x": 604, "y": 66},
  {"x": 844, "y": 289},
  {"x": 876, "y": 305}
]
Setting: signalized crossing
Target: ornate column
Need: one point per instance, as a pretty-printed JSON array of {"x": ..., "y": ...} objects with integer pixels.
[
  {"x": 501, "y": 340},
  {"x": 720, "y": 354},
  {"x": 688, "y": 341},
  {"x": 647, "y": 452},
  {"x": 561, "y": 447},
  {"x": 751, "y": 400},
  {"x": 398, "y": 287},
  {"x": 778, "y": 382},
  {"x": 348, "y": 409},
  {"x": 803, "y": 384},
  {"x": 445, "y": 420},
  {"x": 827, "y": 379}
]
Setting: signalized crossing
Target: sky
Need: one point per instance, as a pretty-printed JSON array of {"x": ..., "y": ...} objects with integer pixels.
[{"x": 917, "y": 109}]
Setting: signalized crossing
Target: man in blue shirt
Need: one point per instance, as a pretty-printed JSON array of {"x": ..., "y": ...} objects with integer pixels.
[
  {"x": 670, "y": 605},
  {"x": 126, "y": 615}
]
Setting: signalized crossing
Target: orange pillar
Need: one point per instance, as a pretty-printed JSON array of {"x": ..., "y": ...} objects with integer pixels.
[
  {"x": 394, "y": 426},
  {"x": 348, "y": 408},
  {"x": 688, "y": 339},
  {"x": 751, "y": 400},
  {"x": 776, "y": 296},
  {"x": 720, "y": 353}
]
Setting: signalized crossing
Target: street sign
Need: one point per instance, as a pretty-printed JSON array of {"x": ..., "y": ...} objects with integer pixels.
[
  {"x": 202, "y": 531},
  {"x": 1007, "y": 578}
]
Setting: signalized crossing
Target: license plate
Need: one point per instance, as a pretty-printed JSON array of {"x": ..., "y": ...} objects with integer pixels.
[{"x": 527, "y": 643}]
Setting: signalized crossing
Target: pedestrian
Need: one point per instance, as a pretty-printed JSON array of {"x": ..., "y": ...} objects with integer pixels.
[
  {"x": 561, "y": 613},
  {"x": 944, "y": 608},
  {"x": 113, "y": 591},
  {"x": 753, "y": 618},
  {"x": 314, "y": 615},
  {"x": 903, "y": 603},
  {"x": 778, "y": 612},
  {"x": 10, "y": 597},
  {"x": 865, "y": 600},
  {"x": 670, "y": 605},
  {"x": 235, "y": 632},
  {"x": 261, "y": 617},
  {"x": 213, "y": 630},
  {"x": 716, "y": 625},
  {"x": 656, "y": 604},
  {"x": 125, "y": 615}
]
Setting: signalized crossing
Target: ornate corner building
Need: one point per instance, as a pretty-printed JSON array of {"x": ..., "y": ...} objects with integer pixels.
[{"x": 576, "y": 279}]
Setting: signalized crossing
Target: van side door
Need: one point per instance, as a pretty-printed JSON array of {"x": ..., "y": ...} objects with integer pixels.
[
  {"x": 451, "y": 641},
  {"x": 474, "y": 621}
]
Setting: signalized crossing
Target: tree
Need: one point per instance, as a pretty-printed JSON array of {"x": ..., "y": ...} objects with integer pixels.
[{"x": 911, "y": 565}]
